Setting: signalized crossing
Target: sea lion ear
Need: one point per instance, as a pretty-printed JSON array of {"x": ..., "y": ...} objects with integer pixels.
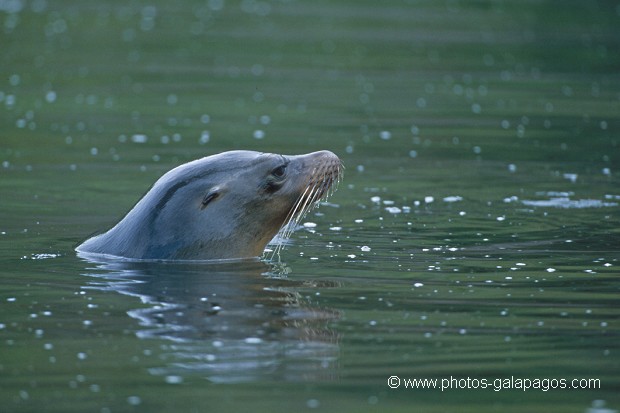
[{"x": 210, "y": 196}]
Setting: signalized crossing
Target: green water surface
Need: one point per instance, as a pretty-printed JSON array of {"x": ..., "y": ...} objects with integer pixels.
[{"x": 474, "y": 239}]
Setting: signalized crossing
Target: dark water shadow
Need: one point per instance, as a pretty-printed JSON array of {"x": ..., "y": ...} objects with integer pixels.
[{"x": 228, "y": 322}]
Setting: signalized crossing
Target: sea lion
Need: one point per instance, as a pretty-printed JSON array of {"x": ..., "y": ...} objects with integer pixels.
[{"x": 223, "y": 206}]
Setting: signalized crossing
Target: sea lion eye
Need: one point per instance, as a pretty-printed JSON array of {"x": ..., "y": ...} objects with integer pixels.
[
  {"x": 279, "y": 172},
  {"x": 210, "y": 196}
]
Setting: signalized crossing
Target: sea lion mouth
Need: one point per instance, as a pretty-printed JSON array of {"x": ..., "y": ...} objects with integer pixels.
[{"x": 326, "y": 173}]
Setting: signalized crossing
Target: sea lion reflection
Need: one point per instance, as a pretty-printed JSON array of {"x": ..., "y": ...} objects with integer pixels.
[{"x": 226, "y": 322}]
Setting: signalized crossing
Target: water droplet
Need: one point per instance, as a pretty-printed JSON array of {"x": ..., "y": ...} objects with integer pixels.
[
  {"x": 313, "y": 403},
  {"x": 134, "y": 400},
  {"x": 139, "y": 138},
  {"x": 50, "y": 96},
  {"x": 385, "y": 135},
  {"x": 174, "y": 379}
]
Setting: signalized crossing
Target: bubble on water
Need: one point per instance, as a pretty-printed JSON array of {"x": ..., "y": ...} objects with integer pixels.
[
  {"x": 139, "y": 138},
  {"x": 413, "y": 154},
  {"x": 134, "y": 400},
  {"x": 50, "y": 96},
  {"x": 365, "y": 248},
  {"x": 512, "y": 168},
  {"x": 257, "y": 69},
  {"x": 454, "y": 198},
  {"x": 385, "y": 135},
  {"x": 205, "y": 136},
  {"x": 570, "y": 176},
  {"x": 313, "y": 403},
  {"x": 44, "y": 256},
  {"x": 14, "y": 80},
  {"x": 418, "y": 285},
  {"x": 309, "y": 224},
  {"x": 173, "y": 379},
  {"x": 375, "y": 199},
  {"x": 258, "y": 134},
  {"x": 10, "y": 100},
  {"x": 565, "y": 202},
  {"x": 429, "y": 199}
]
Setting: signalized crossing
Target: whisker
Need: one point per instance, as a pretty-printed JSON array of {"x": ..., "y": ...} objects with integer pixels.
[
  {"x": 323, "y": 183},
  {"x": 291, "y": 219}
]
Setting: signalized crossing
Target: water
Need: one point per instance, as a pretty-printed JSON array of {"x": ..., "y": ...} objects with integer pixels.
[{"x": 473, "y": 240}]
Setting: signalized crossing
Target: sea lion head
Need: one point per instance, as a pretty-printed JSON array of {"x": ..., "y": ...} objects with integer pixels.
[{"x": 223, "y": 206}]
